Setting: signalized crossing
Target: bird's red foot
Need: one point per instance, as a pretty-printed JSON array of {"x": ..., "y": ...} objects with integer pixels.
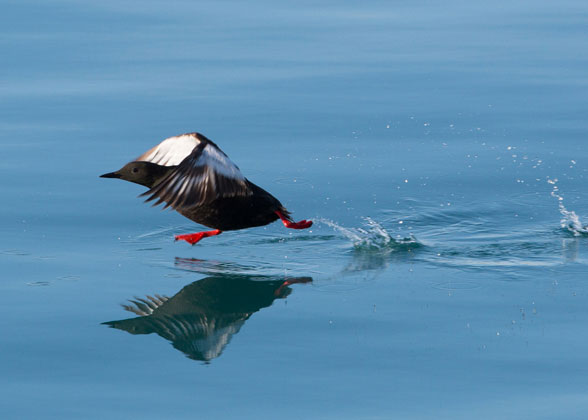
[
  {"x": 303, "y": 224},
  {"x": 193, "y": 238}
]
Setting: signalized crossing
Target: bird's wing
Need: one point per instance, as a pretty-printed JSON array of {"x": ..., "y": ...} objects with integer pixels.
[
  {"x": 145, "y": 307},
  {"x": 172, "y": 151},
  {"x": 205, "y": 175}
]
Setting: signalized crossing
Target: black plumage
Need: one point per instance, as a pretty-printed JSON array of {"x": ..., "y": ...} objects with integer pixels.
[{"x": 192, "y": 175}]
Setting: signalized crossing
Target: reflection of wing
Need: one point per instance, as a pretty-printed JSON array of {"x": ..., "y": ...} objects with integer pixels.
[
  {"x": 203, "y": 176},
  {"x": 202, "y": 317},
  {"x": 195, "y": 335},
  {"x": 145, "y": 307},
  {"x": 207, "y": 342}
]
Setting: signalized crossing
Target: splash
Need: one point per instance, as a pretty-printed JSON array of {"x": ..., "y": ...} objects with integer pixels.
[
  {"x": 570, "y": 220},
  {"x": 372, "y": 235}
]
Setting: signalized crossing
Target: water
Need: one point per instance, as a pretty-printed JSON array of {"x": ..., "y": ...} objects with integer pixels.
[{"x": 439, "y": 148}]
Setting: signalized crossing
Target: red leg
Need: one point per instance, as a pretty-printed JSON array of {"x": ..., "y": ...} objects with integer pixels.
[
  {"x": 303, "y": 224},
  {"x": 192, "y": 238}
]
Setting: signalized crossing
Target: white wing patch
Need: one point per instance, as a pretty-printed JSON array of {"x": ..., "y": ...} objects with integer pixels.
[
  {"x": 205, "y": 175},
  {"x": 216, "y": 160},
  {"x": 171, "y": 151}
]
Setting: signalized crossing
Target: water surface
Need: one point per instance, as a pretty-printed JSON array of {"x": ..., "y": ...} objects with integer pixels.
[{"x": 439, "y": 148}]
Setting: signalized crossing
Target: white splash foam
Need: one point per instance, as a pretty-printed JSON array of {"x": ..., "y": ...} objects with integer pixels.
[
  {"x": 570, "y": 220},
  {"x": 371, "y": 235}
]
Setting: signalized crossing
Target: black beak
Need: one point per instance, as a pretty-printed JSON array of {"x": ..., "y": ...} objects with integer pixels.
[{"x": 111, "y": 175}]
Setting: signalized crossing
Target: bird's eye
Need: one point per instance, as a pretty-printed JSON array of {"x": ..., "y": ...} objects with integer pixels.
[{"x": 135, "y": 170}]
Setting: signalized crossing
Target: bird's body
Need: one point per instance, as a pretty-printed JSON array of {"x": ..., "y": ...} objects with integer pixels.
[
  {"x": 238, "y": 212},
  {"x": 191, "y": 174}
]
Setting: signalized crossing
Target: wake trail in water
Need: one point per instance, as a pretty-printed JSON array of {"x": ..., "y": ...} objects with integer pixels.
[
  {"x": 371, "y": 236},
  {"x": 570, "y": 220}
]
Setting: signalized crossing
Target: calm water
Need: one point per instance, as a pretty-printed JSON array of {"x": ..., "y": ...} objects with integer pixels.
[{"x": 440, "y": 149}]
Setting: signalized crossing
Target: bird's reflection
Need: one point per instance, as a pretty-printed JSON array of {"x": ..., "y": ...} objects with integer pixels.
[
  {"x": 201, "y": 318},
  {"x": 377, "y": 259},
  {"x": 571, "y": 248}
]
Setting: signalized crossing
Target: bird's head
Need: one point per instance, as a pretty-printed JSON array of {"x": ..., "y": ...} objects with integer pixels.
[{"x": 143, "y": 173}]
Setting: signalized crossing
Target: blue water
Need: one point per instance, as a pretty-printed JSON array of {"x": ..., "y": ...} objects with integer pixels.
[{"x": 439, "y": 147}]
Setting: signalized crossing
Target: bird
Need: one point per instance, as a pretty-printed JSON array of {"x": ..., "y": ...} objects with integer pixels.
[
  {"x": 193, "y": 176},
  {"x": 201, "y": 318}
]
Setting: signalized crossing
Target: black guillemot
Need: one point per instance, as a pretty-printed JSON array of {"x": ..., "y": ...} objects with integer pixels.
[{"x": 192, "y": 175}]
